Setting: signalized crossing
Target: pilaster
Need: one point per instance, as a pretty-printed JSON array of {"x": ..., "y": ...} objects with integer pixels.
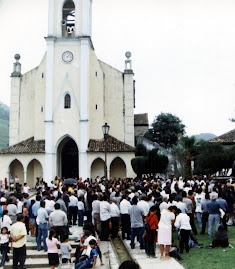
[
  {"x": 49, "y": 154},
  {"x": 14, "y": 129},
  {"x": 129, "y": 102}
]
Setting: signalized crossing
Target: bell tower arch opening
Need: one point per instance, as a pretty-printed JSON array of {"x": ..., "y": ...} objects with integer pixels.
[
  {"x": 67, "y": 158},
  {"x": 68, "y": 19}
]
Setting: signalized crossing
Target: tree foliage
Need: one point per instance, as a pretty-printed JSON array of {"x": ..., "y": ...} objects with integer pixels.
[
  {"x": 166, "y": 130},
  {"x": 141, "y": 150},
  {"x": 151, "y": 164},
  {"x": 184, "y": 153},
  {"x": 213, "y": 157}
]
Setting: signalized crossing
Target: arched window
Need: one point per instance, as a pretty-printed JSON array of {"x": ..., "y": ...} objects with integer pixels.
[
  {"x": 67, "y": 101},
  {"x": 68, "y": 21}
]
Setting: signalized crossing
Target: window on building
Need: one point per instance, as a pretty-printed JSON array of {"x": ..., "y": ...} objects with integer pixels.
[
  {"x": 96, "y": 107},
  {"x": 68, "y": 21},
  {"x": 67, "y": 101},
  {"x": 42, "y": 109}
]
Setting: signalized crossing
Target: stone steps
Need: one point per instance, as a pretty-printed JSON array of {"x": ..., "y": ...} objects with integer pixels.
[{"x": 39, "y": 259}]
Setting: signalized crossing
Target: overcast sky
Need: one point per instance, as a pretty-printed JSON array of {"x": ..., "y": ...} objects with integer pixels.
[{"x": 183, "y": 53}]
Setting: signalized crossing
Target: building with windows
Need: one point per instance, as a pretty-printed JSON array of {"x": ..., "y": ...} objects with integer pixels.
[{"x": 58, "y": 108}]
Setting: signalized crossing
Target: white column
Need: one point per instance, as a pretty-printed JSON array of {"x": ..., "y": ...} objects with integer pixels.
[
  {"x": 25, "y": 176},
  {"x": 84, "y": 104},
  {"x": 49, "y": 154},
  {"x": 85, "y": 17},
  {"x": 51, "y": 15},
  {"x": 129, "y": 108},
  {"x": 8, "y": 178},
  {"x": 14, "y": 130},
  {"x": 108, "y": 174}
]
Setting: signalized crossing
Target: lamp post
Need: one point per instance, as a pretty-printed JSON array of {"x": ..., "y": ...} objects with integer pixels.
[{"x": 105, "y": 129}]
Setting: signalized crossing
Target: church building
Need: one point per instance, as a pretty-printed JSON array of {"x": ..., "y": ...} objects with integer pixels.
[{"x": 58, "y": 108}]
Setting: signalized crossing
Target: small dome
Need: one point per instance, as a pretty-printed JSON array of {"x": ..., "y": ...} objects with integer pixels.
[
  {"x": 128, "y": 54},
  {"x": 17, "y": 57}
]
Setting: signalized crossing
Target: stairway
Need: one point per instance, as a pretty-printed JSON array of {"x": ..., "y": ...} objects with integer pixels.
[{"x": 38, "y": 259}]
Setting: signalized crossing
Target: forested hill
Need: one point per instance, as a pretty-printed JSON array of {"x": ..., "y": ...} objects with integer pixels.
[
  {"x": 205, "y": 136},
  {"x": 4, "y": 125}
]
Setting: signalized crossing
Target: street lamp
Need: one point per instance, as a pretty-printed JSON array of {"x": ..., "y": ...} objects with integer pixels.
[{"x": 105, "y": 129}]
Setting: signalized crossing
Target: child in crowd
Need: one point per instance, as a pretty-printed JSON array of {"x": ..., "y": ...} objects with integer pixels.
[
  {"x": 52, "y": 249},
  {"x": 32, "y": 223},
  {"x": 26, "y": 216},
  {"x": 4, "y": 245},
  {"x": 81, "y": 210},
  {"x": 91, "y": 261},
  {"x": 65, "y": 250}
]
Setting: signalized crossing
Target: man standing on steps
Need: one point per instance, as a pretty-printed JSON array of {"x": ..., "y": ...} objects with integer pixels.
[
  {"x": 137, "y": 224},
  {"x": 42, "y": 226},
  {"x": 19, "y": 236},
  {"x": 58, "y": 221},
  {"x": 125, "y": 217}
]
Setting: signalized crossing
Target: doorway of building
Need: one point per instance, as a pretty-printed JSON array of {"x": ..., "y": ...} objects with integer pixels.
[{"x": 67, "y": 161}]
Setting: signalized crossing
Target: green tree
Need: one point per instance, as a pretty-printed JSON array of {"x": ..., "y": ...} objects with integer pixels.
[
  {"x": 151, "y": 164},
  {"x": 166, "y": 130},
  {"x": 141, "y": 150},
  {"x": 212, "y": 157}
]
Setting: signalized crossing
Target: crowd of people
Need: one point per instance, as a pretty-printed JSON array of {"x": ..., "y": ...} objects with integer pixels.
[{"x": 147, "y": 209}]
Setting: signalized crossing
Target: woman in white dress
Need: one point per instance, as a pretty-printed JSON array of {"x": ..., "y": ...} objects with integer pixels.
[{"x": 165, "y": 230}]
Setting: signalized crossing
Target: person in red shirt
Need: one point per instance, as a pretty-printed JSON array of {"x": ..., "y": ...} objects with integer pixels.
[{"x": 151, "y": 232}]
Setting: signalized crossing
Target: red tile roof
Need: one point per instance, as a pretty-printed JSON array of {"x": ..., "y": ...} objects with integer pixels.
[
  {"x": 113, "y": 145},
  {"x": 27, "y": 146}
]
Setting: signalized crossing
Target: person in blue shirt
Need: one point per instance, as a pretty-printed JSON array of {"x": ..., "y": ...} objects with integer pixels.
[
  {"x": 214, "y": 215},
  {"x": 36, "y": 206},
  {"x": 224, "y": 206},
  {"x": 91, "y": 261}
]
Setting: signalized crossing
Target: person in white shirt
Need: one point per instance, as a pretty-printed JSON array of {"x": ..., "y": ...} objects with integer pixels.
[
  {"x": 181, "y": 183},
  {"x": 81, "y": 210},
  {"x": 115, "y": 217},
  {"x": 182, "y": 206},
  {"x": 20, "y": 205},
  {"x": 199, "y": 199},
  {"x": 105, "y": 218},
  {"x": 164, "y": 204},
  {"x": 125, "y": 217},
  {"x": 6, "y": 221},
  {"x": 73, "y": 209},
  {"x": 182, "y": 222},
  {"x": 144, "y": 205},
  {"x": 96, "y": 213},
  {"x": 50, "y": 205},
  {"x": 26, "y": 188}
]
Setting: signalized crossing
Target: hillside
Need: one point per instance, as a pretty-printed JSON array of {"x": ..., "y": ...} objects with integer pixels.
[
  {"x": 205, "y": 136},
  {"x": 4, "y": 125}
]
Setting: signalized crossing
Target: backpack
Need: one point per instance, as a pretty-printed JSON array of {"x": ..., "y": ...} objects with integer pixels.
[{"x": 147, "y": 227}]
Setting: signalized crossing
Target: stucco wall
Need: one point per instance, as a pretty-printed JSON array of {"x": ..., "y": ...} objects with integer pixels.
[
  {"x": 39, "y": 101},
  {"x": 113, "y": 89},
  {"x": 27, "y": 105}
]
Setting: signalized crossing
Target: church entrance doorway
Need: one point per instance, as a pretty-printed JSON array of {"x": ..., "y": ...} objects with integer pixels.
[{"x": 67, "y": 158}]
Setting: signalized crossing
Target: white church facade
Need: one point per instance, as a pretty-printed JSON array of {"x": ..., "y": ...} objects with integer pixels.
[{"x": 58, "y": 108}]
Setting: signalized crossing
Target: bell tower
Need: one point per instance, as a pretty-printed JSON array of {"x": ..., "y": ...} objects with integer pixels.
[
  {"x": 70, "y": 18},
  {"x": 67, "y": 71}
]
